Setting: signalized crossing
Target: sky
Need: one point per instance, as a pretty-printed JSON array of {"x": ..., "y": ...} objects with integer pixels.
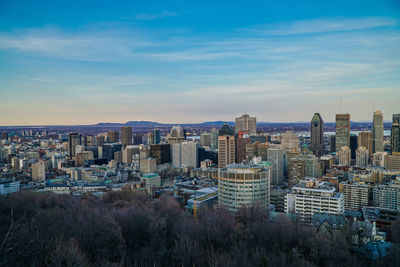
[{"x": 85, "y": 62}]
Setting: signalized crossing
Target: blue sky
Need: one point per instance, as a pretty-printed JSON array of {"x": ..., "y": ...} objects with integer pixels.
[{"x": 82, "y": 62}]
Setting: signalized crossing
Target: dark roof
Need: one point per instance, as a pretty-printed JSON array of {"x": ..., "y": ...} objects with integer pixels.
[
  {"x": 375, "y": 250},
  {"x": 226, "y": 130},
  {"x": 335, "y": 221}
]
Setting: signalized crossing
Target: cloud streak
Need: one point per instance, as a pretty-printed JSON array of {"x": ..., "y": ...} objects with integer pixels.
[
  {"x": 324, "y": 26},
  {"x": 147, "y": 16}
]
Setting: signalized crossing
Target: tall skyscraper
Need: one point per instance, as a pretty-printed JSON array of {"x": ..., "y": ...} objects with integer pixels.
[
  {"x": 342, "y": 131},
  {"x": 332, "y": 141},
  {"x": 246, "y": 123},
  {"x": 126, "y": 136},
  {"x": 138, "y": 139},
  {"x": 317, "y": 134},
  {"x": 113, "y": 136},
  {"x": 362, "y": 157},
  {"x": 128, "y": 152},
  {"x": 205, "y": 139},
  {"x": 74, "y": 139},
  {"x": 161, "y": 152},
  {"x": 275, "y": 155},
  {"x": 226, "y": 146},
  {"x": 100, "y": 140},
  {"x": 156, "y": 137},
  {"x": 365, "y": 140},
  {"x": 290, "y": 142},
  {"x": 185, "y": 154},
  {"x": 395, "y": 133},
  {"x": 377, "y": 132},
  {"x": 353, "y": 145},
  {"x": 176, "y": 135},
  {"x": 242, "y": 139},
  {"x": 4, "y": 135},
  {"x": 344, "y": 156}
]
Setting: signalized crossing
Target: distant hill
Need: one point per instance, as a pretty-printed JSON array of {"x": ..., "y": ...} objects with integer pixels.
[
  {"x": 217, "y": 123},
  {"x": 143, "y": 123}
]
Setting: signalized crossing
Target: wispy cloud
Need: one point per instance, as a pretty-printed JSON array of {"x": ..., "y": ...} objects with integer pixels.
[
  {"x": 323, "y": 25},
  {"x": 147, "y": 16}
]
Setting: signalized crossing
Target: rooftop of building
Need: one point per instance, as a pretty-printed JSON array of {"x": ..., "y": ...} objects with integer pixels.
[
  {"x": 378, "y": 213},
  {"x": 313, "y": 185},
  {"x": 149, "y": 175},
  {"x": 226, "y": 130},
  {"x": 6, "y": 180}
]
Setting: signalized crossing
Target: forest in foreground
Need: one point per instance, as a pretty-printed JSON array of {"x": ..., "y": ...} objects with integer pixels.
[{"x": 131, "y": 229}]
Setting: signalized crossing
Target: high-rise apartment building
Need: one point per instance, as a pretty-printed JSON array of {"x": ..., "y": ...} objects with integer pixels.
[
  {"x": 378, "y": 159},
  {"x": 126, "y": 136},
  {"x": 241, "y": 184},
  {"x": 365, "y": 140},
  {"x": 226, "y": 146},
  {"x": 311, "y": 166},
  {"x": 395, "y": 133},
  {"x": 356, "y": 195},
  {"x": 344, "y": 156},
  {"x": 377, "y": 132},
  {"x": 296, "y": 170},
  {"x": 387, "y": 196},
  {"x": 317, "y": 134},
  {"x": 311, "y": 196},
  {"x": 39, "y": 171},
  {"x": 246, "y": 123},
  {"x": 362, "y": 157},
  {"x": 74, "y": 139},
  {"x": 275, "y": 155},
  {"x": 342, "y": 131},
  {"x": 392, "y": 162}
]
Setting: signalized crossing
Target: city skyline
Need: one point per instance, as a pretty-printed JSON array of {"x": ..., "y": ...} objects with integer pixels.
[{"x": 171, "y": 62}]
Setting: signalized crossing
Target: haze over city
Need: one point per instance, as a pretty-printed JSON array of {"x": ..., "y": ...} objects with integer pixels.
[{"x": 181, "y": 62}]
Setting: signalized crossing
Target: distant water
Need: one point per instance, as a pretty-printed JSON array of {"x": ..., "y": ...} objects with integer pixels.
[{"x": 308, "y": 134}]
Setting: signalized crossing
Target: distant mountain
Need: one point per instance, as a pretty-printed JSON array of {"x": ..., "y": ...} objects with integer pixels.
[
  {"x": 143, "y": 123},
  {"x": 108, "y": 124},
  {"x": 217, "y": 122}
]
